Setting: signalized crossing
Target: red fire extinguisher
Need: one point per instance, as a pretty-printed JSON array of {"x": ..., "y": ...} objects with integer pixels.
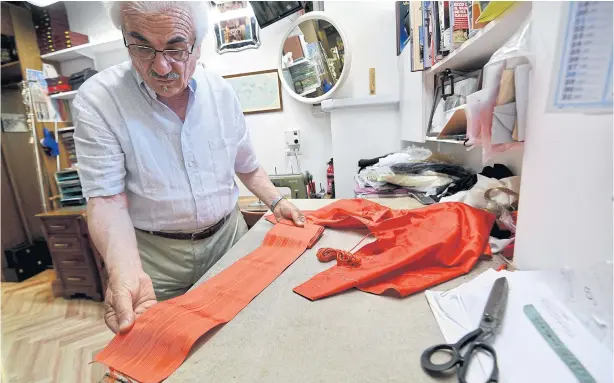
[{"x": 330, "y": 178}]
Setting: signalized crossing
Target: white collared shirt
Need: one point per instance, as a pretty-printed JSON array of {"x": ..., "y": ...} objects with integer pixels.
[{"x": 177, "y": 175}]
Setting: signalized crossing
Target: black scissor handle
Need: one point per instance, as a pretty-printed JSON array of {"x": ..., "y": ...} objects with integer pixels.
[
  {"x": 471, "y": 350},
  {"x": 429, "y": 366},
  {"x": 454, "y": 349}
]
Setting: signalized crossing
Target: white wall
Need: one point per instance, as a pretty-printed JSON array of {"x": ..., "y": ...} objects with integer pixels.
[
  {"x": 267, "y": 129},
  {"x": 565, "y": 216},
  {"x": 371, "y": 131}
]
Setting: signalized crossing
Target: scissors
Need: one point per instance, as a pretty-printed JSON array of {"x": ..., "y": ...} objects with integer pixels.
[{"x": 475, "y": 340}]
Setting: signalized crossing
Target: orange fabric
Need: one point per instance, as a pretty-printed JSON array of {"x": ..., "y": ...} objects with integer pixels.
[
  {"x": 162, "y": 337},
  {"x": 414, "y": 249}
]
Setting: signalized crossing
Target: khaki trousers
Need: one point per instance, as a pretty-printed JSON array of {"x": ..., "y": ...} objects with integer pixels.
[{"x": 175, "y": 265}]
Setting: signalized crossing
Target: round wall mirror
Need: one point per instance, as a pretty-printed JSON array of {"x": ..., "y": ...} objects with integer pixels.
[{"x": 314, "y": 58}]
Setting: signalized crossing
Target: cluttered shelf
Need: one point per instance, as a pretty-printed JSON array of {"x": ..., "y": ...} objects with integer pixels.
[
  {"x": 447, "y": 141},
  {"x": 476, "y": 51},
  {"x": 64, "y": 95}
]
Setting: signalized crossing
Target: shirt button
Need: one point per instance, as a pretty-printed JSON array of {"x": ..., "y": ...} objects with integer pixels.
[{"x": 191, "y": 164}]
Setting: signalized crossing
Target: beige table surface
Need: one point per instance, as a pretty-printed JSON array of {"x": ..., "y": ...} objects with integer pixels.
[{"x": 350, "y": 337}]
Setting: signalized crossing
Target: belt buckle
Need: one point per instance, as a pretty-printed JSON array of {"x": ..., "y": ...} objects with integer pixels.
[{"x": 194, "y": 236}]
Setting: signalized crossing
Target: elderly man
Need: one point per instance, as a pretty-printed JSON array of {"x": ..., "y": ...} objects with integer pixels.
[{"x": 159, "y": 141}]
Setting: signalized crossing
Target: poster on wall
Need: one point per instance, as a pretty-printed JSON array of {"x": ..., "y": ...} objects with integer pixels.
[
  {"x": 402, "y": 22},
  {"x": 235, "y": 27},
  {"x": 582, "y": 79},
  {"x": 258, "y": 92}
]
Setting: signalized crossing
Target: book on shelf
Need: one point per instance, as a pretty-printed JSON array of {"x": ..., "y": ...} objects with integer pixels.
[
  {"x": 445, "y": 36},
  {"x": 459, "y": 22},
  {"x": 427, "y": 33},
  {"x": 416, "y": 36}
]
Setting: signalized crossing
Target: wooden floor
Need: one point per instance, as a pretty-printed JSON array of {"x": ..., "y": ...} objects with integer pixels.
[{"x": 46, "y": 339}]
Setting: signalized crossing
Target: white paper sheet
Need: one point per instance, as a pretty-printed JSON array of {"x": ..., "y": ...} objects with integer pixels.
[
  {"x": 522, "y": 353},
  {"x": 582, "y": 78}
]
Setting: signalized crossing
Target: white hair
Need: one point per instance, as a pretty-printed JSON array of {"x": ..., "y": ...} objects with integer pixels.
[{"x": 199, "y": 10}]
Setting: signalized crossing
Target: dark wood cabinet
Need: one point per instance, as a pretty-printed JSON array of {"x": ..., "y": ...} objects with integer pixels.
[{"x": 78, "y": 265}]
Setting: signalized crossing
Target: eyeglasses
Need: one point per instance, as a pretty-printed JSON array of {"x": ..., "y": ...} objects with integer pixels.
[{"x": 149, "y": 53}]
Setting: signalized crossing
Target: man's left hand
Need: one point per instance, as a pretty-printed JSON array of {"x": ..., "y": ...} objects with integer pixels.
[{"x": 285, "y": 209}]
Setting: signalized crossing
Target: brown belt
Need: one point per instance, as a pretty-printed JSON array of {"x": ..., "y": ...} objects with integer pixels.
[{"x": 206, "y": 233}]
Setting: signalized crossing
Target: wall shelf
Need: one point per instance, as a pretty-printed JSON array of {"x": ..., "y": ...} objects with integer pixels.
[
  {"x": 89, "y": 50},
  {"x": 340, "y": 103},
  {"x": 476, "y": 51},
  {"x": 64, "y": 95},
  {"x": 435, "y": 139}
]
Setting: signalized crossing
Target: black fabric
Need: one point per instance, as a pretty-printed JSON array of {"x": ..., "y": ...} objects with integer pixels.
[
  {"x": 497, "y": 171},
  {"x": 364, "y": 163},
  {"x": 461, "y": 185},
  {"x": 498, "y": 233}
]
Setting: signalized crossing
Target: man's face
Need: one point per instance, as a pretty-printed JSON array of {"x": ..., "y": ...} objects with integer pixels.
[{"x": 172, "y": 30}]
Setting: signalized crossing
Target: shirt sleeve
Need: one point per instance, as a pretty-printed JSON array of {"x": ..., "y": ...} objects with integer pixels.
[
  {"x": 99, "y": 154},
  {"x": 245, "y": 161}
]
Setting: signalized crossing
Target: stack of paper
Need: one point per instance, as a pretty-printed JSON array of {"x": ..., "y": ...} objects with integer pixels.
[{"x": 522, "y": 353}]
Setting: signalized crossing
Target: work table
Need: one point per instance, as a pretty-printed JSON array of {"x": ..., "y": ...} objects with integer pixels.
[{"x": 350, "y": 337}]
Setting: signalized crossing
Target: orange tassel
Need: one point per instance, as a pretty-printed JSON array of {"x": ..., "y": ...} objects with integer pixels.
[{"x": 344, "y": 258}]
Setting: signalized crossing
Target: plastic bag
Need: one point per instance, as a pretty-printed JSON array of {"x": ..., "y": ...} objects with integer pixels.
[{"x": 481, "y": 105}]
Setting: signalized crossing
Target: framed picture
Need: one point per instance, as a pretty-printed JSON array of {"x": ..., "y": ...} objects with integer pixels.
[
  {"x": 235, "y": 27},
  {"x": 258, "y": 92}
]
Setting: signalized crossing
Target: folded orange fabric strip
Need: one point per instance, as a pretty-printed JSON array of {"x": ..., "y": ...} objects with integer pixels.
[
  {"x": 414, "y": 249},
  {"x": 162, "y": 337}
]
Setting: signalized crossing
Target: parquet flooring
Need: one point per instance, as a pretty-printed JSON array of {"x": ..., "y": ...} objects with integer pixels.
[{"x": 47, "y": 339}]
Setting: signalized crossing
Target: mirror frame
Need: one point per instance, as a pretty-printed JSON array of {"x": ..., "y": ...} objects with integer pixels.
[{"x": 347, "y": 58}]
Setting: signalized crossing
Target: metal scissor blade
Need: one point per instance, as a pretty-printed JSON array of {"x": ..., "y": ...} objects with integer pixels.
[{"x": 495, "y": 306}]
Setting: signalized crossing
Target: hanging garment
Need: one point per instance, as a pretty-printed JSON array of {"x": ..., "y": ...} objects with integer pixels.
[
  {"x": 413, "y": 250},
  {"x": 162, "y": 336}
]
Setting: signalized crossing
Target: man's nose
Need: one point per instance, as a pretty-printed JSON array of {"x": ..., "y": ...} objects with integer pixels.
[{"x": 160, "y": 65}]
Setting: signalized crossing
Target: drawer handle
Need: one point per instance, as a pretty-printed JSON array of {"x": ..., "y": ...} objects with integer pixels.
[
  {"x": 75, "y": 279},
  {"x": 61, "y": 245},
  {"x": 69, "y": 262},
  {"x": 59, "y": 227}
]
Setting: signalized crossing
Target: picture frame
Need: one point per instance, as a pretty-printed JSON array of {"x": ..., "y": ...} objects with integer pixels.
[
  {"x": 258, "y": 92},
  {"x": 235, "y": 27}
]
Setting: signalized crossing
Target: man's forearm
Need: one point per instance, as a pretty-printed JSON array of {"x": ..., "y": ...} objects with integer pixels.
[
  {"x": 111, "y": 229},
  {"x": 259, "y": 183}
]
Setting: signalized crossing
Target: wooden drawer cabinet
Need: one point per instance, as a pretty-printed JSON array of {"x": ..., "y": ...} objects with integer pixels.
[
  {"x": 74, "y": 259},
  {"x": 61, "y": 226},
  {"x": 67, "y": 260},
  {"x": 65, "y": 243}
]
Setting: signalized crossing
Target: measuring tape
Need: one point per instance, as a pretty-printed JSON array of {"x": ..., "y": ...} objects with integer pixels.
[{"x": 557, "y": 346}]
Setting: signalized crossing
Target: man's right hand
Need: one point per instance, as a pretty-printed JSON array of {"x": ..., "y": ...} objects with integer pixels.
[{"x": 128, "y": 296}]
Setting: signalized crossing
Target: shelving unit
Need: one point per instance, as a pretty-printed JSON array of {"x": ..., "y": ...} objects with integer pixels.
[
  {"x": 472, "y": 54},
  {"x": 64, "y": 95},
  {"x": 89, "y": 50},
  {"x": 476, "y": 51}
]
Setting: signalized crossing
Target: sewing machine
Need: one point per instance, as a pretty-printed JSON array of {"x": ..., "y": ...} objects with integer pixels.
[{"x": 297, "y": 183}]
